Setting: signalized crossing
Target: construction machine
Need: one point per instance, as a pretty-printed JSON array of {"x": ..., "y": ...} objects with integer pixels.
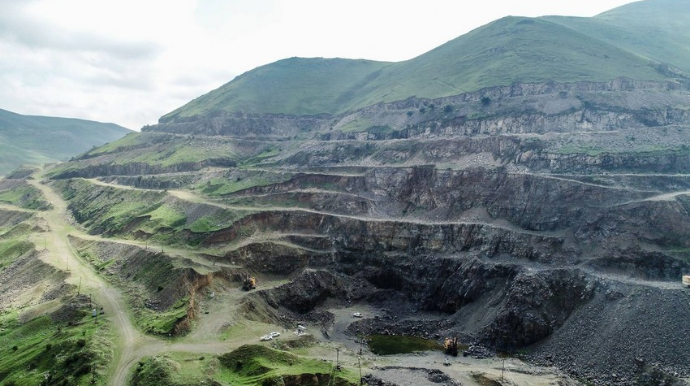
[
  {"x": 450, "y": 346},
  {"x": 249, "y": 283}
]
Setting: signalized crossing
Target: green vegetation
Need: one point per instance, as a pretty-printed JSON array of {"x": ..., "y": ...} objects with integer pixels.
[
  {"x": 652, "y": 29},
  {"x": 180, "y": 153},
  {"x": 291, "y": 86},
  {"x": 356, "y": 125},
  {"x": 166, "y": 216},
  {"x": 11, "y": 249},
  {"x": 225, "y": 185},
  {"x": 400, "y": 344},
  {"x": 111, "y": 209},
  {"x": 257, "y": 365},
  {"x": 25, "y": 196},
  {"x": 44, "y": 351},
  {"x": 219, "y": 220},
  {"x": 249, "y": 365},
  {"x": 142, "y": 276},
  {"x": 512, "y": 49},
  {"x": 28, "y": 139},
  {"x": 169, "y": 371},
  {"x": 131, "y": 140},
  {"x": 161, "y": 323},
  {"x": 154, "y": 151}
]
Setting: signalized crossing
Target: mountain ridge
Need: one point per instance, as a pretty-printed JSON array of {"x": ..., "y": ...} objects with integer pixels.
[
  {"x": 34, "y": 139},
  {"x": 509, "y": 50}
]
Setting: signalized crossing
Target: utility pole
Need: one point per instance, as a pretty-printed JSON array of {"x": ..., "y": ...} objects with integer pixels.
[
  {"x": 359, "y": 362},
  {"x": 503, "y": 369},
  {"x": 337, "y": 351},
  {"x": 79, "y": 288}
]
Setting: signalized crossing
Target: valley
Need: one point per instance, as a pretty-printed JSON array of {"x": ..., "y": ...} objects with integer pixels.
[
  {"x": 522, "y": 191},
  {"x": 510, "y": 255}
]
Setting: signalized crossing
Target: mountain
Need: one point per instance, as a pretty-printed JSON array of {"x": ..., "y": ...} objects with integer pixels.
[
  {"x": 26, "y": 139},
  {"x": 523, "y": 188},
  {"x": 509, "y": 50},
  {"x": 655, "y": 29}
]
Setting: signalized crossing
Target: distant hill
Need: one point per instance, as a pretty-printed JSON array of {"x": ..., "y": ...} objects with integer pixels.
[
  {"x": 26, "y": 139},
  {"x": 640, "y": 41},
  {"x": 654, "y": 29}
]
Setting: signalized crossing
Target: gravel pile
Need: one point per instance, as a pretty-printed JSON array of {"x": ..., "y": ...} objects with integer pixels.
[
  {"x": 404, "y": 376},
  {"x": 615, "y": 339}
]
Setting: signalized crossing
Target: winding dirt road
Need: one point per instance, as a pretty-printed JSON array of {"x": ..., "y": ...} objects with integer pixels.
[{"x": 131, "y": 345}]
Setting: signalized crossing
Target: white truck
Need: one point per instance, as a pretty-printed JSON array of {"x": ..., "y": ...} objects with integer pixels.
[{"x": 686, "y": 280}]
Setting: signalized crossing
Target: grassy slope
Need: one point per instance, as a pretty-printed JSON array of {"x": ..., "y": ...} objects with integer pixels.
[
  {"x": 35, "y": 139},
  {"x": 656, "y": 29},
  {"x": 291, "y": 86},
  {"x": 24, "y": 196},
  {"x": 512, "y": 49}
]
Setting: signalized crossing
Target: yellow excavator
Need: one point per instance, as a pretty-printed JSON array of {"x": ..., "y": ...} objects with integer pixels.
[
  {"x": 450, "y": 346},
  {"x": 249, "y": 283}
]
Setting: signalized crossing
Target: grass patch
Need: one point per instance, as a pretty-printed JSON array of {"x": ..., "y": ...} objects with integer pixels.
[
  {"x": 170, "y": 370},
  {"x": 356, "y": 125},
  {"x": 46, "y": 352},
  {"x": 222, "y": 186},
  {"x": 144, "y": 277},
  {"x": 167, "y": 216},
  {"x": 259, "y": 365},
  {"x": 131, "y": 140},
  {"x": 238, "y": 179},
  {"x": 400, "y": 344},
  {"x": 162, "y": 323},
  {"x": 25, "y": 196},
  {"x": 106, "y": 209},
  {"x": 12, "y": 249}
]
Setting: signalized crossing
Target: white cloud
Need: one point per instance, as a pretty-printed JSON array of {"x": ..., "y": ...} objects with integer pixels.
[{"x": 131, "y": 61}]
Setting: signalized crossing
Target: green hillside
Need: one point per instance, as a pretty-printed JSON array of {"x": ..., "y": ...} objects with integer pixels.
[
  {"x": 509, "y": 50},
  {"x": 28, "y": 139},
  {"x": 512, "y": 49},
  {"x": 656, "y": 29},
  {"x": 292, "y": 86}
]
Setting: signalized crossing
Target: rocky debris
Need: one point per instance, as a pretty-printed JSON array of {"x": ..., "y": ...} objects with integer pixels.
[
  {"x": 612, "y": 338},
  {"x": 299, "y": 299},
  {"x": 139, "y": 168},
  {"x": 391, "y": 325},
  {"x": 408, "y": 376},
  {"x": 73, "y": 310},
  {"x": 478, "y": 351}
]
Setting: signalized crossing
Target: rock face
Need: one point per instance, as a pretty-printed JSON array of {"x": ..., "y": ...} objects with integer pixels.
[{"x": 545, "y": 217}]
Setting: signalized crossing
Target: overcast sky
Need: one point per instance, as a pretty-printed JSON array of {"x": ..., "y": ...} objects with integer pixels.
[{"x": 131, "y": 61}]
